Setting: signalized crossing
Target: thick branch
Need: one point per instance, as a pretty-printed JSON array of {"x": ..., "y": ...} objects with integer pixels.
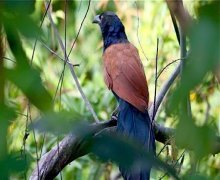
[
  {"x": 70, "y": 148},
  {"x": 73, "y": 147},
  {"x": 177, "y": 9}
]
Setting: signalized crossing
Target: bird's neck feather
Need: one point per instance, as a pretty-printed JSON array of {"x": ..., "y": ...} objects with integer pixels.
[{"x": 114, "y": 37}]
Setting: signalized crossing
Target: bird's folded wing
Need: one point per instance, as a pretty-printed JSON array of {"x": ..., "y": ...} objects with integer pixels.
[{"x": 124, "y": 74}]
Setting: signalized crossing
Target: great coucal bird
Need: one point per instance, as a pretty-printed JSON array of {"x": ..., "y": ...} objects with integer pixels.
[{"x": 125, "y": 77}]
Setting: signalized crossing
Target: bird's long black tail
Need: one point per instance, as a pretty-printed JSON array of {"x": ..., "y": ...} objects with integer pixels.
[{"x": 136, "y": 125}]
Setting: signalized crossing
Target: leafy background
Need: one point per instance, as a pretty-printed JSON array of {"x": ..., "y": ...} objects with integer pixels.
[{"x": 145, "y": 21}]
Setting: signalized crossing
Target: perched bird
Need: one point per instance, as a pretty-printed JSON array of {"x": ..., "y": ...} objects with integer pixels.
[{"x": 124, "y": 76}]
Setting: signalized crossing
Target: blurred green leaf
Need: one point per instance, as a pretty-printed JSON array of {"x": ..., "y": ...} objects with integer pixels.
[
  {"x": 24, "y": 7},
  {"x": 16, "y": 15},
  {"x": 27, "y": 27},
  {"x": 26, "y": 77},
  {"x": 198, "y": 139},
  {"x": 12, "y": 163},
  {"x": 6, "y": 115},
  {"x": 128, "y": 154},
  {"x": 61, "y": 123},
  {"x": 195, "y": 177},
  {"x": 29, "y": 82},
  {"x": 204, "y": 57}
]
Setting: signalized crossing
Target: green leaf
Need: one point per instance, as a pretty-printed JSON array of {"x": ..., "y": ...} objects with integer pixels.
[
  {"x": 195, "y": 177},
  {"x": 25, "y": 77},
  {"x": 12, "y": 163},
  {"x": 61, "y": 123},
  {"x": 128, "y": 154},
  {"x": 16, "y": 15},
  {"x": 24, "y": 7},
  {"x": 204, "y": 51},
  {"x": 198, "y": 139},
  {"x": 204, "y": 57}
]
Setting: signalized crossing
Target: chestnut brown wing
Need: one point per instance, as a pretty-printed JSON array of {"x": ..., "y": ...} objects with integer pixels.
[{"x": 124, "y": 74}]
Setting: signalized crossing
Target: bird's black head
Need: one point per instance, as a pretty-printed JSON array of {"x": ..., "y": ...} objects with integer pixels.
[{"x": 113, "y": 31}]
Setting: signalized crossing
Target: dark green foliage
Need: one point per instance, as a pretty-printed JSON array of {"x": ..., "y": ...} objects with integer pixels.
[
  {"x": 203, "y": 59},
  {"x": 125, "y": 152}
]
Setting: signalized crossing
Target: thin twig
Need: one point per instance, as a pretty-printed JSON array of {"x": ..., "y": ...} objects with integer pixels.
[
  {"x": 175, "y": 25},
  {"x": 81, "y": 24},
  {"x": 61, "y": 83},
  {"x": 43, "y": 140},
  {"x": 53, "y": 52},
  {"x": 65, "y": 62},
  {"x": 138, "y": 23},
  {"x": 164, "y": 90},
  {"x": 35, "y": 43},
  {"x": 155, "y": 94},
  {"x": 9, "y": 59},
  {"x": 72, "y": 70},
  {"x": 164, "y": 68},
  {"x": 29, "y": 108},
  {"x": 35, "y": 140},
  {"x": 23, "y": 148},
  {"x": 166, "y": 143},
  {"x": 182, "y": 154},
  {"x": 22, "y": 114},
  {"x": 208, "y": 107},
  {"x": 155, "y": 85}
]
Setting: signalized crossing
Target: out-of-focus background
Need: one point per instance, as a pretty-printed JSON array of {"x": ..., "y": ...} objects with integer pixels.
[{"x": 144, "y": 22}]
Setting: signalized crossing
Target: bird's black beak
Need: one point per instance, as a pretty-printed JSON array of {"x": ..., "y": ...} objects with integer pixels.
[{"x": 96, "y": 19}]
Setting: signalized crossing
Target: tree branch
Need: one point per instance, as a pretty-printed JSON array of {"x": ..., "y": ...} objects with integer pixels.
[
  {"x": 177, "y": 9},
  {"x": 73, "y": 147},
  {"x": 164, "y": 90}
]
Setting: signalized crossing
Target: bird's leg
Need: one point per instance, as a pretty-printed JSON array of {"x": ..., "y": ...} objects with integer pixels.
[{"x": 114, "y": 115}]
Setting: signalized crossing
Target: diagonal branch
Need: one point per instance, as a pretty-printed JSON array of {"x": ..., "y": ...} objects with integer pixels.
[
  {"x": 73, "y": 147},
  {"x": 71, "y": 67}
]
